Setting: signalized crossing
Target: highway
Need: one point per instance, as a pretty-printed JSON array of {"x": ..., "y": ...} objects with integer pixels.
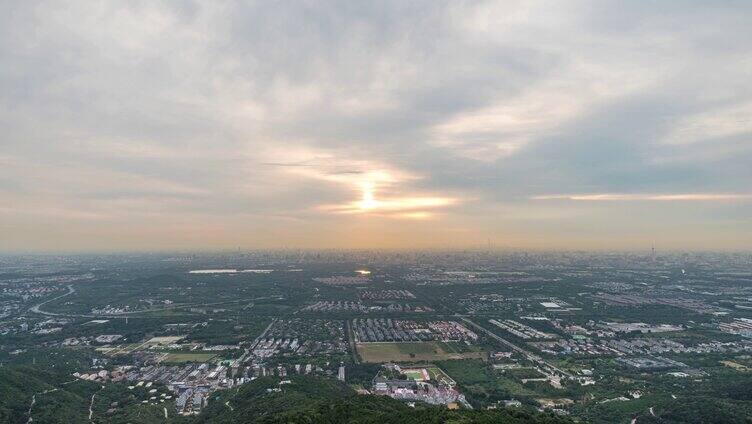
[
  {"x": 36, "y": 309},
  {"x": 351, "y": 341},
  {"x": 131, "y": 314},
  {"x": 247, "y": 354},
  {"x": 527, "y": 354}
]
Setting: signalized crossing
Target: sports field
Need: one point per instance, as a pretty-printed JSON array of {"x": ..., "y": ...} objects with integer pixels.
[
  {"x": 415, "y": 352},
  {"x": 417, "y": 374}
]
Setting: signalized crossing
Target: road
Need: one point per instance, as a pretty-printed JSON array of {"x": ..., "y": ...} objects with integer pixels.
[
  {"x": 91, "y": 404},
  {"x": 34, "y": 400},
  {"x": 351, "y": 340},
  {"x": 527, "y": 354},
  {"x": 247, "y": 355},
  {"x": 652, "y": 412},
  {"x": 36, "y": 309},
  {"x": 123, "y": 315}
]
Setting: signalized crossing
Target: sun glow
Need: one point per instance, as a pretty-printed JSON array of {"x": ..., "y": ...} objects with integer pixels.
[
  {"x": 378, "y": 190},
  {"x": 368, "y": 201},
  {"x": 394, "y": 207},
  {"x": 371, "y": 183}
]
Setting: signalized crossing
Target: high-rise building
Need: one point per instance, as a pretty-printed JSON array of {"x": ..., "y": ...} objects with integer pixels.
[{"x": 341, "y": 373}]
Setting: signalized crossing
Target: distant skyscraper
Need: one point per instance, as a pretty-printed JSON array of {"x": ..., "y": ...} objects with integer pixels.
[{"x": 341, "y": 373}]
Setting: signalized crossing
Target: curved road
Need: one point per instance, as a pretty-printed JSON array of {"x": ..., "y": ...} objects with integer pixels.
[{"x": 36, "y": 309}]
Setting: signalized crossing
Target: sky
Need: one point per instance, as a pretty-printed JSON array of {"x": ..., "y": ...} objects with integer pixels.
[{"x": 366, "y": 124}]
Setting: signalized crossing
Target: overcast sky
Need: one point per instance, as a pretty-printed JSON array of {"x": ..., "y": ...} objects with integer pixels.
[{"x": 537, "y": 125}]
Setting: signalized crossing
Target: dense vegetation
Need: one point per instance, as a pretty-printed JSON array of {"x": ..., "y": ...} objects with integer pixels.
[
  {"x": 45, "y": 376},
  {"x": 315, "y": 400},
  {"x": 60, "y": 398}
]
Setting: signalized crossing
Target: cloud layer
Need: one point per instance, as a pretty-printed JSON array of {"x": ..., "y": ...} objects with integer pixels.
[{"x": 162, "y": 125}]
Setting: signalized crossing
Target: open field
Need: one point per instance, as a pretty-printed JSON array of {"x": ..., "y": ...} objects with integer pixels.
[
  {"x": 165, "y": 340},
  {"x": 417, "y": 374},
  {"x": 414, "y": 352},
  {"x": 429, "y": 372},
  {"x": 120, "y": 349},
  {"x": 188, "y": 357},
  {"x": 735, "y": 365}
]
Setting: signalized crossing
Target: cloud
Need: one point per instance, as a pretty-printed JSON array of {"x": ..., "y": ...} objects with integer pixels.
[
  {"x": 378, "y": 189},
  {"x": 713, "y": 125},
  {"x": 683, "y": 197},
  {"x": 270, "y": 124},
  {"x": 399, "y": 207}
]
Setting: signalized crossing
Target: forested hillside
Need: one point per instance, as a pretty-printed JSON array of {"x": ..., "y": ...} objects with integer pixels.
[{"x": 317, "y": 400}]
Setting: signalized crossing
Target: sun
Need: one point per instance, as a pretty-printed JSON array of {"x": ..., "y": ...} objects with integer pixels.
[
  {"x": 368, "y": 202},
  {"x": 374, "y": 196}
]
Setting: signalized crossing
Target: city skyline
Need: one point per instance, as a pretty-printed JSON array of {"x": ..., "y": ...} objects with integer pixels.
[{"x": 533, "y": 125}]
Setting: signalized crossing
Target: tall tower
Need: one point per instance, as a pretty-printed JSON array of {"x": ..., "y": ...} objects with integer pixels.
[{"x": 652, "y": 252}]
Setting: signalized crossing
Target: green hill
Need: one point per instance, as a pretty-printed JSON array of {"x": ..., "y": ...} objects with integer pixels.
[
  {"x": 60, "y": 398},
  {"x": 49, "y": 377},
  {"x": 315, "y": 400}
]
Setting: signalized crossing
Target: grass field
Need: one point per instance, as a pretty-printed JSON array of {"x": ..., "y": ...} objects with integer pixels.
[
  {"x": 120, "y": 349},
  {"x": 415, "y": 352},
  {"x": 523, "y": 373},
  {"x": 415, "y": 375},
  {"x": 188, "y": 357}
]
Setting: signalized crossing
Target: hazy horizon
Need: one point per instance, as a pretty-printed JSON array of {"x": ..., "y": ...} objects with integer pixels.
[
  {"x": 540, "y": 126},
  {"x": 481, "y": 250}
]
